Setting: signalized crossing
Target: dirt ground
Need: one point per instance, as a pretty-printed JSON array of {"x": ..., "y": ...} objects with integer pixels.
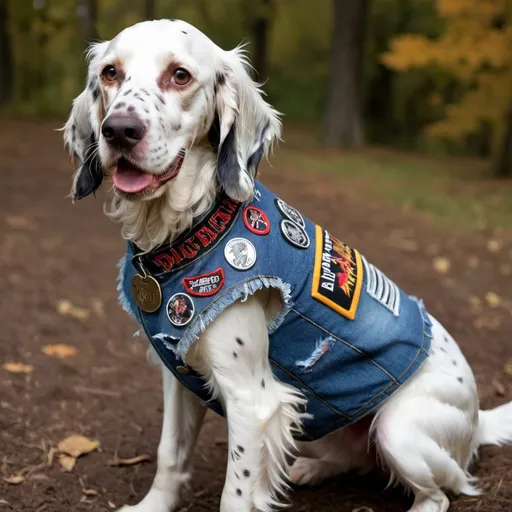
[{"x": 51, "y": 251}]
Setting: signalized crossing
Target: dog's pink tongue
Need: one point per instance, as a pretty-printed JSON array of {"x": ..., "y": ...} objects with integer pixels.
[{"x": 131, "y": 180}]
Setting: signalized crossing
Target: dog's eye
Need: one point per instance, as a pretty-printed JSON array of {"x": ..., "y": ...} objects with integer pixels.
[
  {"x": 181, "y": 77},
  {"x": 109, "y": 73}
]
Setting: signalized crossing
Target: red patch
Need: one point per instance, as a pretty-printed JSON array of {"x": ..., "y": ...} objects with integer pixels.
[
  {"x": 256, "y": 221},
  {"x": 204, "y": 285}
]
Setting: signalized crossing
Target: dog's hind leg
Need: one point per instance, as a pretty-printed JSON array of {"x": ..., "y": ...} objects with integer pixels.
[
  {"x": 427, "y": 432},
  {"x": 232, "y": 354},
  {"x": 182, "y": 419}
]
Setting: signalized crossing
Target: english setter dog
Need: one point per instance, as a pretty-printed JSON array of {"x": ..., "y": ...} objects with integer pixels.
[{"x": 178, "y": 127}]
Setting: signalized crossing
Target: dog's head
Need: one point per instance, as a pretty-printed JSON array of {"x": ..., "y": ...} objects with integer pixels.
[{"x": 166, "y": 112}]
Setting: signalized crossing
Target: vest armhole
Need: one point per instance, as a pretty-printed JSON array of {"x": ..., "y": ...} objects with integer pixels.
[{"x": 240, "y": 291}]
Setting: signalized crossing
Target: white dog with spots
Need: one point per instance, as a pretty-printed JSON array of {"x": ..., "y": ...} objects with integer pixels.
[{"x": 144, "y": 123}]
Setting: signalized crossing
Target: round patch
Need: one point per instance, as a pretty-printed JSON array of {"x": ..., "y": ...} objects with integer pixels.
[
  {"x": 294, "y": 234},
  {"x": 240, "y": 253},
  {"x": 256, "y": 221},
  {"x": 290, "y": 213},
  {"x": 180, "y": 309}
]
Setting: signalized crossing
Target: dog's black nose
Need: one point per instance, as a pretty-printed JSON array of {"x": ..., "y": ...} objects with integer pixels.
[{"x": 123, "y": 131}]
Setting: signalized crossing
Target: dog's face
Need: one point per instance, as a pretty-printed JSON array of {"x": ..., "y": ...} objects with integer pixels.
[{"x": 155, "y": 94}]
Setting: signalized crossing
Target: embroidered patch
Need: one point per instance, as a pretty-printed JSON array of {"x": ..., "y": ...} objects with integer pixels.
[
  {"x": 290, "y": 213},
  {"x": 381, "y": 288},
  {"x": 240, "y": 253},
  {"x": 204, "y": 285},
  {"x": 256, "y": 221},
  {"x": 338, "y": 274},
  {"x": 295, "y": 234},
  {"x": 195, "y": 243},
  {"x": 180, "y": 309}
]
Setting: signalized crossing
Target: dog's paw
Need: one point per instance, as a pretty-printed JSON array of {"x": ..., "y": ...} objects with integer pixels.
[
  {"x": 155, "y": 501},
  {"x": 307, "y": 471}
]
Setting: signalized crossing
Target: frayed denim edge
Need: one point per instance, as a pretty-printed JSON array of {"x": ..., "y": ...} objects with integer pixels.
[
  {"x": 123, "y": 300},
  {"x": 240, "y": 292},
  {"x": 427, "y": 323}
]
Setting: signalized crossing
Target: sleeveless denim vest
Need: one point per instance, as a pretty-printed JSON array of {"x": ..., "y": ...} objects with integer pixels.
[{"x": 346, "y": 337}]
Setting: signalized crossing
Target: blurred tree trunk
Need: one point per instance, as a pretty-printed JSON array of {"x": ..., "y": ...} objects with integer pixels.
[
  {"x": 149, "y": 9},
  {"x": 6, "y": 60},
  {"x": 87, "y": 12},
  {"x": 504, "y": 161},
  {"x": 343, "y": 120},
  {"x": 260, "y": 15}
]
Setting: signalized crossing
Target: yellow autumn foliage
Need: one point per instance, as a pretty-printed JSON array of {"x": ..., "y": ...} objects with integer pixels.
[{"x": 476, "y": 49}]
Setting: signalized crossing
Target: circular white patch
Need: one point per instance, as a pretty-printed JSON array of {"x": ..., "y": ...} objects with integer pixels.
[
  {"x": 240, "y": 253},
  {"x": 290, "y": 213},
  {"x": 180, "y": 309},
  {"x": 295, "y": 234}
]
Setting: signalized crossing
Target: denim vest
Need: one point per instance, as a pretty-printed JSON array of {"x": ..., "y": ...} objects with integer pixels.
[{"x": 346, "y": 337}]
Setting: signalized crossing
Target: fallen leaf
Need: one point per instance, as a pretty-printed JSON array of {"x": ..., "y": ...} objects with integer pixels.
[
  {"x": 91, "y": 492},
  {"x": 474, "y": 301},
  {"x": 18, "y": 367},
  {"x": 65, "y": 308},
  {"x": 59, "y": 350},
  {"x": 67, "y": 462},
  {"x": 498, "y": 387},
  {"x": 4, "y": 502},
  {"x": 111, "y": 505},
  {"x": 19, "y": 222},
  {"x": 130, "y": 462},
  {"x": 494, "y": 246},
  {"x": 77, "y": 445},
  {"x": 15, "y": 479},
  {"x": 508, "y": 369},
  {"x": 98, "y": 307},
  {"x": 492, "y": 299},
  {"x": 441, "y": 264}
]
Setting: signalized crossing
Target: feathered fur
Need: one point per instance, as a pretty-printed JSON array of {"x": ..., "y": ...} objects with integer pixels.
[{"x": 425, "y": 435}]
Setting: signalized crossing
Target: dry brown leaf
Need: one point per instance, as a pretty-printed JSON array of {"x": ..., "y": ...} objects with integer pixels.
[
  {"x": 441, "y": 264},
  {"x": 474, "y": 301},
  {"x": 77, "y": 445},
  {"x": 19, "y": 222},
  {"x": 65, "y": 308},
  {"x": 60, "y": 350},
  {"x": 111, "y": 505},
  {"x": 494, "y": 246},
  {"x": 508, "y": 369},
  {"x": 15, "y": 479},
  {"x": 493, "y": 299},
  {"x": 67, "y": 462},
  {"x": 98, "y": 307},
  {"x": 498, "y": 387},
  {"x": 18, "y": 367},
  {"x": 130, "y": 462},
  {"x": 91, "y": 492}
]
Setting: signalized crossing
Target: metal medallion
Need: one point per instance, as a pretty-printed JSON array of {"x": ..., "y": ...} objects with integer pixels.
[{"x": 146, "y": 293}]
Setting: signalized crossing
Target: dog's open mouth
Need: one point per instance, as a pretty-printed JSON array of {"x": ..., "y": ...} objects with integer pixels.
[{"x": 130, "y": 179}]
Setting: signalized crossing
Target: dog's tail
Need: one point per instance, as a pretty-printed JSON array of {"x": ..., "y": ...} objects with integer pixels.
[{"x": 495, "y": 425}]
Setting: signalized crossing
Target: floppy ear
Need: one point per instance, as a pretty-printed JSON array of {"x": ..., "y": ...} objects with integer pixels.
[
  {"x": 247, "y": 125},
  {"x": 82, "y": 129}
]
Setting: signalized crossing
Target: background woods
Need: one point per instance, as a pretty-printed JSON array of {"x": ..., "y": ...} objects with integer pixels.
[{"x": 430, "y": 75}]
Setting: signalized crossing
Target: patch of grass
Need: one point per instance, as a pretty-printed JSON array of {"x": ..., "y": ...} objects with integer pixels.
[{"x": 458, "y": 192}]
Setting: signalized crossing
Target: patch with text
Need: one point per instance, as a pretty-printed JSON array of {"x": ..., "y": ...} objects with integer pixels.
[
  {"x": 204, "y": 285},
  {"x": 338, "y": 274}
]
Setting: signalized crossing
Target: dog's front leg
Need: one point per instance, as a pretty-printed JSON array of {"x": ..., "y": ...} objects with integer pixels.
[
  {"x": 182, "y": 419},
  {"x": 261, "y": 412}
]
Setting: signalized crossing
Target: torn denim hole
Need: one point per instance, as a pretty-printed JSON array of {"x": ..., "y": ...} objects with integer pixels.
[
  {"x": 167, "y": 340},
  {"x": 322, "y": 347}
]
